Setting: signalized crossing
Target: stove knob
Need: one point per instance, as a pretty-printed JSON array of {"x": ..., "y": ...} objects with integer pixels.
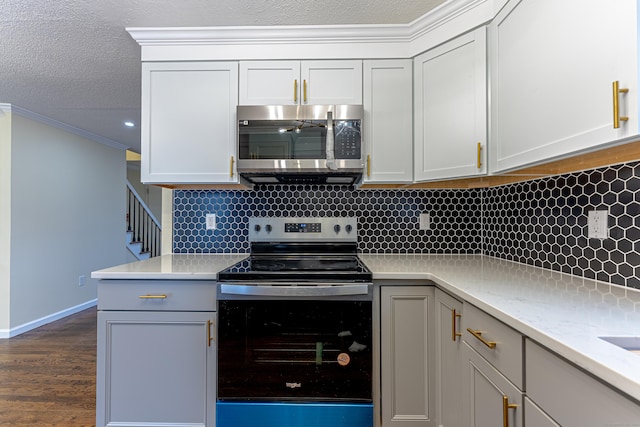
[
  {"x": 268, "y": 228},
  {"x": 336, "y": 228},
  {"x": 257, "y": 227},
  {"x": 349, "y": 228}
]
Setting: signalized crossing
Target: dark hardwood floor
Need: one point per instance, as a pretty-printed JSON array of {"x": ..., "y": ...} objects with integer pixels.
[{"x": 48, "y": 375}]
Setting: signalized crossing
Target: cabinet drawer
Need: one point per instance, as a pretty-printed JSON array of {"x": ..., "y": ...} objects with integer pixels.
[
  {"x": 156, "y": 295},
  {"x": 507, "y": 352},
  {"x": 572, "y": 397}
]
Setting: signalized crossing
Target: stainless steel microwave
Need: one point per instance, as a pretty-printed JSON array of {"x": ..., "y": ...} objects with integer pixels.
[{"x": 289, "y": 144}]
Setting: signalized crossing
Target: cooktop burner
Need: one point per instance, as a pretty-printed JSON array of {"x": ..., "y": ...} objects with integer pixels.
[{"x": 303, "y": 264}]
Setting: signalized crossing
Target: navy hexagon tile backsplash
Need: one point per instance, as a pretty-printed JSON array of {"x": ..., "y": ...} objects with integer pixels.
[
  {"x": 387, "y": 220},
  {"x": 542, "y": 222}
]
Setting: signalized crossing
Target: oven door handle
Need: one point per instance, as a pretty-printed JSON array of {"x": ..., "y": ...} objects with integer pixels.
[{"x": 295, "y": 291}]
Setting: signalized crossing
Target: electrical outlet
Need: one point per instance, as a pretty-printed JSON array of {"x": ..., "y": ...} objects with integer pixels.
[
  {"x": 598, "y": 224},
  {"x": 81, "y": 280},
  {"x": 211, "y": 221},
  {"x": 425, "y": 221}
]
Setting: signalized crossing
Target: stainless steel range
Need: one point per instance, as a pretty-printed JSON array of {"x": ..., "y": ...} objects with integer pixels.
[{"x": 295, "y": 328}]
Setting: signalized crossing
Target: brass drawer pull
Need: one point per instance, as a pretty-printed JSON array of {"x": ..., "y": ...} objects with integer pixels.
[
  {"x": 478, "y": 334},
  {"x": 209, "y": 337},
  {"x": 304, "y": 89},
  {"x": 616, "y": 105},
  {"x": 505, "y": 410},
  {"x": 454, "y": 333},
  {"x": 295, "y": 91},
  {"x": 162, "y": 296}
]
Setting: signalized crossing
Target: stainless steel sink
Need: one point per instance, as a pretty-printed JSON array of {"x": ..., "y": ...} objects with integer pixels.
[{"x": 631, "y": 344}]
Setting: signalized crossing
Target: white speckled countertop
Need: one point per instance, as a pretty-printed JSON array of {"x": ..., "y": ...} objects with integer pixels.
[
  {"x": 565, "y": 313},
  {"x": 172, "y": 267}
]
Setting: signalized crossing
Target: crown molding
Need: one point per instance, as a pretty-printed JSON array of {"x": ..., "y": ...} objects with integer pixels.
[
  {"x": 303, "y": 34},
  {"x": 10, "y": 108}
]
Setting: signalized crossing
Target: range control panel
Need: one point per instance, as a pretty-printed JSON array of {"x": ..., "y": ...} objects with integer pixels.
[{"x": 303, "y": 229}]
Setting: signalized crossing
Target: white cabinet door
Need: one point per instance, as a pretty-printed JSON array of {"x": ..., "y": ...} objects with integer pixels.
[
  {"x": 188, "y": 122},
  {"x": 406, "y": 321},
  {"x": 448, "y": 360},
  {"x": 489, "y": 398},
  {"x": 156, "y": 368},
  {"x": 300, "y": 82},
  {"x": 387, "y": 95},
  {"x": 553, "y": 65},
  {"x": 270, "y": 83},
  {"x": 451, "y": 109},
  {"x": 331, "y": 82}
]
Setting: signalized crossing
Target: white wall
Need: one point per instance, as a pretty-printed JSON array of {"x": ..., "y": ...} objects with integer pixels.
[
  {"x": 68, "y": 218},
  {"x": 5, "y": 215}
]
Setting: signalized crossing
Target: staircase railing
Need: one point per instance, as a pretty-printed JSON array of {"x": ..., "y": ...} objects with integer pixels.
[{"x": 146, "y": 229}]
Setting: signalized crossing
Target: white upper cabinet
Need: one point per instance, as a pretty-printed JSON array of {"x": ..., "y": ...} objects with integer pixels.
[
  {"x": 552, "y": 72},
  {"x": 188, "y": 122},
  {"x": 300, "y": 82},
  {"x": 450, "y": 99},
  {"x": 269, "y": 82},
  {"x": 388, "y": 121}
]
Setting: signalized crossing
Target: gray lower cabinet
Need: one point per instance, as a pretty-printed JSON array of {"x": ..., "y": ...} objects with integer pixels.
[
  {"x": 536, "y": 417},
  {"x": 490, "y": 398},
  {"x": 493, "y": 381},
  {"x": 155, "y": 367},
  {"x": 406, "y": 365},
  {"x": 572, "y": 397},
  {"x": 448, "y": 349}
]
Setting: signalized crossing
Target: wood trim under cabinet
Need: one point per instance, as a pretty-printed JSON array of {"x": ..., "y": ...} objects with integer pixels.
[{"x": 623, "y": 153}]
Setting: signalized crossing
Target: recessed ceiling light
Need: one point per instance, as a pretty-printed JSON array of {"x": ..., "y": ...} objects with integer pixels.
[{"x": 129, "y": 124}]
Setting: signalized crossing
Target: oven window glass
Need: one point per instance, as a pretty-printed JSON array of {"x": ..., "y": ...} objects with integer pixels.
[{"x": 294, "y": 350}]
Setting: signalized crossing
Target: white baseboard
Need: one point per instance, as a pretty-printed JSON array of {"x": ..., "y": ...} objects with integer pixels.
[{"x": 8, "y": 333}]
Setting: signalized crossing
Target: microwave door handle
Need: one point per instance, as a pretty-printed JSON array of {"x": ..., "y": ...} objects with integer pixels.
[{"x": 330, "y": 144}]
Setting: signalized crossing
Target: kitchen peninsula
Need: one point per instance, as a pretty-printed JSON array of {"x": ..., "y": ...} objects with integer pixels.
[{"x": 558, "y": 312}]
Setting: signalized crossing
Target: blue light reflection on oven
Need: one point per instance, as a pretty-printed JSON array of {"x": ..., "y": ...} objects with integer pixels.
[{"x": 302, "y": 414}]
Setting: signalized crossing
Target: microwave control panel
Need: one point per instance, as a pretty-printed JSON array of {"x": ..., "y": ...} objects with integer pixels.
[{"x": 347, "y": 139}]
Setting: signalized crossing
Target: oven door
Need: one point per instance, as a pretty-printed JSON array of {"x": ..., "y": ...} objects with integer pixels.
[
  {"x": 290, "y": 347},
  {"x": 282, "y": 356}
]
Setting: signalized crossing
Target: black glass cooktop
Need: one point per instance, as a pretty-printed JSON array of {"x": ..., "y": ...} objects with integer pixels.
[{"x": 296, "y": 268}]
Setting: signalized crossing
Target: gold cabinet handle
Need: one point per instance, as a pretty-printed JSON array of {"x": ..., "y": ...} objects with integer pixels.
[
  {"x": 505, "y": 410},
  {"x": 209, "y": 337},
  {"x": 479, "y": 163},
  {"x": 162, "y": 296},
  {"x": 304, "y": 90},
  {"x": 478, "y": 334},
  {"x": 616, "y": 104},
  {"x": 231, "y": 167},
  {"x": 295, "y": 91},
  {"x": 368, "y": 165},
  {"x": 454, "y": 333}
]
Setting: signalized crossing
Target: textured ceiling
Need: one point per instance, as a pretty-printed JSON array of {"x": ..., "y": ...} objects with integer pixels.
[{"x": 73, "y": 61}]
